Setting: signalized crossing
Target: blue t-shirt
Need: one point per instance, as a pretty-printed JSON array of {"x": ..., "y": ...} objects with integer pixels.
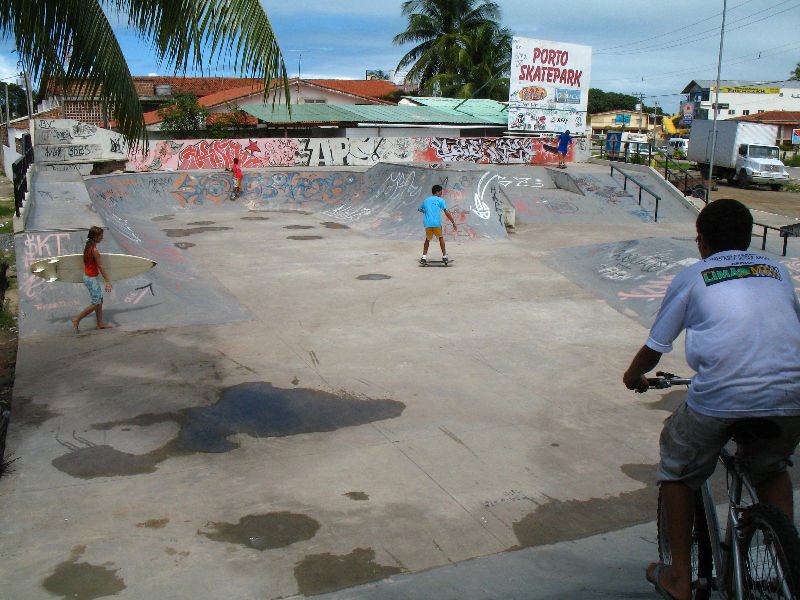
[
  {"x": 564, "y": 140},
  {"x": 432, "y": 208}
]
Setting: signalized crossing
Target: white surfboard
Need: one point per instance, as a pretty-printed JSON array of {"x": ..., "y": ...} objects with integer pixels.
[{"x": 69, "y": 268}]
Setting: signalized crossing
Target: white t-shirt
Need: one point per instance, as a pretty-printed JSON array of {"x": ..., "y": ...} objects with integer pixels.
[{"x": 742, "y": 320}]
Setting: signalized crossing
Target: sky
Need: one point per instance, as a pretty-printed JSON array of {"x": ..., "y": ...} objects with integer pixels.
[{"x": 642, "y": 47}]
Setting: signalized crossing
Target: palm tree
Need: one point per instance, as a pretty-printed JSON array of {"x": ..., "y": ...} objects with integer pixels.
[
  {"x": 50, "y": 34},
  {"x": 435, "y": 26},
  {"x": 482, "y": 59}
]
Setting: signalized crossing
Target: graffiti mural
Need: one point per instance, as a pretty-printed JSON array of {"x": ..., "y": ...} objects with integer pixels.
[{"x": 189, "y": 155}]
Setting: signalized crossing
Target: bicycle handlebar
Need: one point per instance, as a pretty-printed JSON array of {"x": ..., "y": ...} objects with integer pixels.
[{"x": 664, "y": 380}]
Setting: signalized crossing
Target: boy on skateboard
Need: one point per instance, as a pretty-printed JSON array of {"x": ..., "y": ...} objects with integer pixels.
[{"x": 432, "y": 208}]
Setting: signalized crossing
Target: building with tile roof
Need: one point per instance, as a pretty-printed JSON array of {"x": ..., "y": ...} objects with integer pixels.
[{"x": 786, "y": 120}]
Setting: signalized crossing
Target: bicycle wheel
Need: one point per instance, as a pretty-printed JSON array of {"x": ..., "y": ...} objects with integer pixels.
[
  {"x": 771, "y": 553},
  {"x": 701, "y": 557}
]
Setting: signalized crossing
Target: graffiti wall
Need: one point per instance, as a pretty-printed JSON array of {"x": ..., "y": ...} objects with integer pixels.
[
  {"x": 69, "y": 141},
  {"x": 186, "y": 155}
]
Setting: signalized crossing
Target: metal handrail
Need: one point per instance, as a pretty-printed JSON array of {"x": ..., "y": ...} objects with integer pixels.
[
  {"x": 641, "y": 187},
  {"x": 19, "y": 170},
  {"x": 691, "y": 185},
  {"x": 785, "y": 232}
]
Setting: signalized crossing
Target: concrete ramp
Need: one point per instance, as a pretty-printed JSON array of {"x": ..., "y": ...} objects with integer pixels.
[{"x": 390, "y": 195}]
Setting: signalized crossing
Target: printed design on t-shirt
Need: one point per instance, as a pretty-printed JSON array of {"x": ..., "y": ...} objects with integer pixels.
[{"x": 720, "y": 274}]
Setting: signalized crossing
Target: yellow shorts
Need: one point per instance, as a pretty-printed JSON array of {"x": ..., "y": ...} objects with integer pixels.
[{"x": 432, "y": 232}]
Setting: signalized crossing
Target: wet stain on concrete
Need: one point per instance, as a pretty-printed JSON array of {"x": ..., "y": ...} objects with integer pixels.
[
  {"x": 265, "y": 532},
  {"x": 321, "y": 573},
  {"x": 561, "y": 520},
  {"x": 26, "y": 412},
  {"x": 332, "y": 225},
  {"x": 154, "y": 523},
  {"x": 295, "y": 381},
  {"x": 257, "y": 409},
  {"x": 373, "y": 277},
  {"x": 255, "y": 218},
  {"x": 186, "y": 232},
  {"x": 83, "y": 581},
  {"x": 201, "y": 223},
  {"x": 287, "y": 211},
  {"x": 299, "y": 227},
  {"x": 93, "y": 461},
  {"x": 304, "y": 237},
  {"x": 184, "y": 245},
  {"x": 174, "y": 552},
  {"x": 163, "y": 218},
  {"x": 357, "y": 496},
  {"x": 261, "y": 410}
]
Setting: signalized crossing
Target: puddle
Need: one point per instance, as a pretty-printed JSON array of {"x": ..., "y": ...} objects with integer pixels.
[
  {"x": 265, "y": 532},
  {"x": 356, "y": 495},
  {"x": 299, "y": 227},
  {"x": 201, "y": 223},
  {"x": 304, "y": 237},
  {"x": 332, "y": 225},
  {"x": 184, "y": 245},
  {"x": 255, "y": 218},
  {"x": 163, "y": 218},
  {"x": 321, "y": 573},
  {"x": 257, "y": 409},
  {"x": 26, "y": 412},
  {"x": 83, "y": 581},
  {"x": 373, "y": 277},
  {"x": 186, "y": 232}
]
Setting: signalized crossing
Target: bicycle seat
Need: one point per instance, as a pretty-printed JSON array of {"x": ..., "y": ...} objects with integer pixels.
[{"x": 756, "y": 428}]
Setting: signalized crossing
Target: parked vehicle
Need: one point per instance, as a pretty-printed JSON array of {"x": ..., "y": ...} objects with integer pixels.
[
  {"x": 679, "y": 144},
  {"x": 744, "y": 153}
]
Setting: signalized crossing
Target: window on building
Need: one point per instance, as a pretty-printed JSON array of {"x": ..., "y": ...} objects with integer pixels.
[
  {"x": 745, "y": 112},
  {"x": 731, "y": 112},
  {"x": 761, "y": 111},
  {"x": 313, "y": 100}
]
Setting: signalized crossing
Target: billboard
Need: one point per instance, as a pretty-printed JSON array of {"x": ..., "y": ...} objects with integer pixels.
[{"x": 549, "y": 87}]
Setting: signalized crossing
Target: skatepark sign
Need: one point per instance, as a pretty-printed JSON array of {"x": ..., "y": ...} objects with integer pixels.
[{"x": 549, "y": 87}]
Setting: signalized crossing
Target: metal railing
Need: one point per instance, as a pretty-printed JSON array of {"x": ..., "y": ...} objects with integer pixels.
[
  {"x": 784, "y": 232},
  {"x": 20, "y": 171},
  {"x": 629, "y": 152},
  {"x": 683, "y": 180},
  {"x": 641, "y": 188}
]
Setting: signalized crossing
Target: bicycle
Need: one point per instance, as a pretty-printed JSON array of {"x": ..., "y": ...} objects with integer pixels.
[{"x": 758, "y": 554}]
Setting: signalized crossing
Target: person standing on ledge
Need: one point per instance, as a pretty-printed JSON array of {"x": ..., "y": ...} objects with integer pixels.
[
  {"x": 432, "y": 208},
  {"x": 92, "y": 269},
  {"x": 564, "y": 142}
]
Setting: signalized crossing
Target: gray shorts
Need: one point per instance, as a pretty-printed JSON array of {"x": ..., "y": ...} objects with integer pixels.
[{"x": 690, "y": 444}]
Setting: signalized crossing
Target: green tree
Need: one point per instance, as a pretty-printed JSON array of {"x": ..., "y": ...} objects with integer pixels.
[
  {"x": 482, "y": 63},
  {"x": 438, "y": 27},
  {"x": 183, "y": 116},
  {"x": 49, "y": 32},
  {"x": 17, "y": 100},
  {"x": 795, "y": 75}
]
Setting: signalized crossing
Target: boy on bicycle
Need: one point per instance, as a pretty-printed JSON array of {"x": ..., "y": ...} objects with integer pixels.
[{"x": 742, "y": 320}]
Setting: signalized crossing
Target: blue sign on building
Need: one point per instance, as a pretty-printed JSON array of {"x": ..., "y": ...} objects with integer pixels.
[{"x": 623, "y": 119}]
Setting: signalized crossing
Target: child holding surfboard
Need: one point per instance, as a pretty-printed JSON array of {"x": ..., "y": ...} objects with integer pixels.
[{"x": 92, "y": 269}]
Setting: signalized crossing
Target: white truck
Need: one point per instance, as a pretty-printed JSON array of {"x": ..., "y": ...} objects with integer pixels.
[{"x": 744, "y": 153}]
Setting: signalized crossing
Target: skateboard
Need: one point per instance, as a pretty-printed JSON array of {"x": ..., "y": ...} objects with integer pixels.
[
  {"x": 550, "y": 148},
  {"x": 436, "y": 263},
  {"x": 234, "y": 196}
]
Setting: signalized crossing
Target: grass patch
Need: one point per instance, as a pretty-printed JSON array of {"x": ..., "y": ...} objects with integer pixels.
[{"x": 792, "y": 186}]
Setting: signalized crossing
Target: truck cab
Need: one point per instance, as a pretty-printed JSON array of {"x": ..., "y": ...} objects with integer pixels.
[{"x": 757, "y": 163}]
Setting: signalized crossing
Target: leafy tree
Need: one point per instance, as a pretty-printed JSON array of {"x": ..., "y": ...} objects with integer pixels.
[
  {"x": 48, "y": 32},
  {"x": 17, "y": 100},
  {"x": 438, "y": 28},
  {"x": 379, "y": 75},
  {"x": 183, "y": 115},
  {"x": 795, "y": 75}
]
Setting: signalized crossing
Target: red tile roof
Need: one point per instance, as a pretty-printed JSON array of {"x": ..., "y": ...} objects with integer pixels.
[
  {"x": 774, "y": 117},
  {"x": 364, "y": 88}
]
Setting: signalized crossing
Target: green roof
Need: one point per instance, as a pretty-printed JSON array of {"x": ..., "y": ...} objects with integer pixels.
[
  {"x": 369, "y": 113},
  {"x": 478, "y": 107}
]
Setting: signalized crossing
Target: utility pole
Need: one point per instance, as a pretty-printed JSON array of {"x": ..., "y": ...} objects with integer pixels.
[
  {"x": 640, "y": 96},
  {"x": 716, "y": 105}
]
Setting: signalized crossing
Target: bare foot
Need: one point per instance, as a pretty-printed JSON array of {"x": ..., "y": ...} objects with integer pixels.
[
  {"x": 75, "y": 325},
  {"x": 104, "y": 326}
]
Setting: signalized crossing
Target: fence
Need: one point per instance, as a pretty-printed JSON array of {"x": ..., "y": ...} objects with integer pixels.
[
  {"x": 641, "y": 189},
  {"x": 20, "y": 173}
]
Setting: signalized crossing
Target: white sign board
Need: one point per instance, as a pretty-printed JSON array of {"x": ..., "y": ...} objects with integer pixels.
[{"x": 549, "y": 86}]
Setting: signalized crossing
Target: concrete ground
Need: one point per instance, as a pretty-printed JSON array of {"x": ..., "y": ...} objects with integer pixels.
[{"x": 455, "y": 432}]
